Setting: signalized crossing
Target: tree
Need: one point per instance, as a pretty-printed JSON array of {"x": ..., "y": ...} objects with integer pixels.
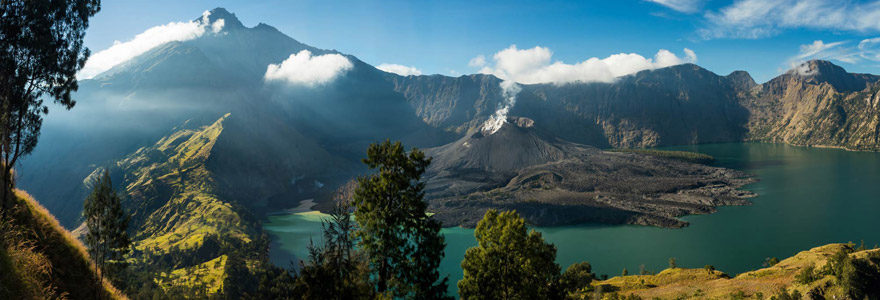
[
  {"x": 107, "y": 224},
  {"x": 41, "y": 49},
  {"x": 509, "y": 262},
  {"x": 335, "y": 270},
  {"x": 709, "y": 269},
  {"x": 624, "y": 273},
  {"x": 403, "y": 244},
  {"x": 576, "y": 277},
  {"x": 672, "y": 264}
]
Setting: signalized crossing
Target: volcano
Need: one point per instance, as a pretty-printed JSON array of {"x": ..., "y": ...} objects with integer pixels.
[
  {"x": 552, "y": 182},
  {"x": 516, "y": 145}
]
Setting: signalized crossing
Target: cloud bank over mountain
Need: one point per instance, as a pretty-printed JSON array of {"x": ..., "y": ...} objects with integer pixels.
[
  {"x": 535, "y": 65},
  {"x": 304, "y": 69},
  {"x": 399, "y": 69},
  {"x": 123, "y": 51}
]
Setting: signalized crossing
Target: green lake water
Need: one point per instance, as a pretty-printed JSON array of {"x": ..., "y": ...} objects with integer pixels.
[{"x": 807, "y": 197}]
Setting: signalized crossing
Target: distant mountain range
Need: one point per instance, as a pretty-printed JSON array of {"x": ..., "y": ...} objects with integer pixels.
[
  {"x": 318, "y": 133},
  {"x": 193, "y": 126}
]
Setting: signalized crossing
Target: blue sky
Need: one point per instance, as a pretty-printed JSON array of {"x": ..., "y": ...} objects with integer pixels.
[{"x": 763, "y": 37}]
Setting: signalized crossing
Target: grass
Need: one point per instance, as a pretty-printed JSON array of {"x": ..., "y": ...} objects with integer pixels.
[
  {"x": 40, "y": 259},
  {"x": 206, "y": 278},
  {"x": 681, "y": 283},
  {"x": 180, "y": 217},
  {"x": 687, "y": 156}
]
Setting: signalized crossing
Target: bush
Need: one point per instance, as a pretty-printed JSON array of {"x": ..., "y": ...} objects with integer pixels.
[
  {"x": 576, "y": 277},
  {"x": 806, "y": 275}
]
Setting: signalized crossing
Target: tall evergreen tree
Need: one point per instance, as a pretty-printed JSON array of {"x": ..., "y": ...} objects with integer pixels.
[
  {"x": 509, "y": 262},
  {"x": 403, "y": 244},
  {"x": 41, "y": 49},
  {"x": 107, "y": 224}
]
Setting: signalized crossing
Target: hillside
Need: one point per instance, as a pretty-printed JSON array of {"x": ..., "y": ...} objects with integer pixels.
[
  {"x": 183, "y": 229},
  {"x": 41, "y": 260},
  {"x": 826, "y": 107},
  {"x": 681, "y": 283}
]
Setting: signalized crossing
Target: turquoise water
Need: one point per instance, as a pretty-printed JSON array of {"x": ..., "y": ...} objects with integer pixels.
[{"x": 807, "y": 197}]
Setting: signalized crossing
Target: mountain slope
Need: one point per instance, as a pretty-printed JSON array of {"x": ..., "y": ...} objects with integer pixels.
[
  {"x": 179, "y": 219},
  {"x": 825, "y": 107},
  {"x": 304, "y": 131},
  {"x": 40, "y": 260}
]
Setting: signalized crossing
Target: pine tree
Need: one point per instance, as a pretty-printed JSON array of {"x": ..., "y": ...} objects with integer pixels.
[
  {"x": 509, "y": 262},
  {"x": 403, "y": 244},
  {"x": 107, "y": 224}
]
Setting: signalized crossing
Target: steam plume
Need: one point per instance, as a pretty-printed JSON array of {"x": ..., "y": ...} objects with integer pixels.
[{"x": 509, "y": 90}]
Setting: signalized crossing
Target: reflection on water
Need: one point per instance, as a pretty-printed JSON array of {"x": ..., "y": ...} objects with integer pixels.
[{"x": 807, "y": 197}]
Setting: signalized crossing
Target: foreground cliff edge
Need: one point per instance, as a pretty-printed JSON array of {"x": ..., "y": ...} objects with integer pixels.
[{"x": 39, "y": 259}]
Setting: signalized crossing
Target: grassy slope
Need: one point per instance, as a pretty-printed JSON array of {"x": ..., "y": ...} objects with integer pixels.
[
  {"x": 40, "y": 259},
  {"x": 680, "y": 283},
  {"x": 177, "y": 210}
]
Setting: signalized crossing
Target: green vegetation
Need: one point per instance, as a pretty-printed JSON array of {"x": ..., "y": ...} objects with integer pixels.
[
  {"x": 41, "y": 260},
  {"x": 336, "y": 270},
  {"x": 41, "y": 50},
  {"x": 687, "y": 156},
  {"x": 187, "y": 242},
  {"x": 509, "y": 262},
  {"x": 403, "y": 244},
  {"x": 107, "y": 229},
  {"x": 576, "y": 277}
]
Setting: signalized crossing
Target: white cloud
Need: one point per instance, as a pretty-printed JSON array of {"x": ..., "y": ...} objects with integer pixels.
[
  {"x": 399, "y": 69},
  {"x": 123, "y": 51},
  {"x": 685, "y": 6},
  {"x": 304, "y": 69},
  {"x": 764, "y": 18},
  {"x": 478, "y": 61},
  {"x": 870, "y": 49},
  {"x": 843, "y": 51},
  {"x": 534, "y": 66}
]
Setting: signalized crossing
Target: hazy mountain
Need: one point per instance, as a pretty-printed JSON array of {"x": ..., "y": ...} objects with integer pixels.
[{"x": 277, "y": 133}]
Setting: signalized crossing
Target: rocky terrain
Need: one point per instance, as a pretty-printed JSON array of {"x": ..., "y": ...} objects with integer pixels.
[
  {"x": 819, "y": 104},
  {"x": 552, "y": 182}
]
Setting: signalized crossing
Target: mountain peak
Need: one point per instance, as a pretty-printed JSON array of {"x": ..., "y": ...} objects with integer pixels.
[
  {"x": 817, "y": 67},
  {"x": 818, "y": 71},
  {"x": 230, "y": 21}
]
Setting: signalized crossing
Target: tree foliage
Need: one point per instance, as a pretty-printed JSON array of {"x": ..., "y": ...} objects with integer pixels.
[
  {"x": 335, "y": 270},
  {"x": 41, "y": 49},
  {"x": 576, "y": 277},
  {"x": 403, "y": 244},
  {"x": 509, "y": 262},
  {"x": 107, "y": 224}
]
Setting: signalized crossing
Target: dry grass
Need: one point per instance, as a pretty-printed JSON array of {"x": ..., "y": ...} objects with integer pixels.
[
  {"x": 45, "y": 245},
  {"x": 700, "y": 284}
]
